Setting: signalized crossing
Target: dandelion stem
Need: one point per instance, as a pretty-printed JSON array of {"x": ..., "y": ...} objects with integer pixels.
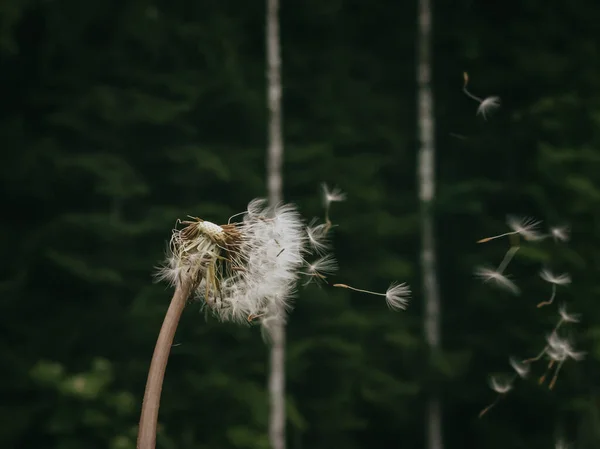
[
  {"x": 493, "y": 404},
  {"x": 487, "y": 239},
  {"x": 358, "y": 289},
  {"x": 537, "y": 357},
  {"x": 547, "y": 303},
  {"x": 328, "y": 223},
  {"x": 553, "y": 381},
  {"x": 156, "y": 373},
  {"x": 543, "y": 351},
  {"x": 507, "y": 258},
  {"x": 543, "y": 378}
]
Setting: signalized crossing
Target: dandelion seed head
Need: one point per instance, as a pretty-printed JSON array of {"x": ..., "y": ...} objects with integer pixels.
[
  {"x": 525, "y": 226},
  {"x": 560, "y": 233},
  {"x": 243, "y": 269},
  {"x": 488, "y": 105},
  {"x": 561, "y": 349},
  {"x": 332, "y": 195},
  {"x": 397, "y": 296},
  {"x": 561, "y": 279},
  {"x": 522, "y": 369},
  {"x": 567, "y": 317},
  {"x": 500, "y": 386},
  {"x": 213, "y": 231},
  {"x": 493, "y": 276}
]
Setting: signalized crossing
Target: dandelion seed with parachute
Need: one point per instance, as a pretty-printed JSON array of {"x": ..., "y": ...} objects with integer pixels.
[
  {"x": 318, "y": 270},
  {"x": 397, "y": 295},
  {"x": 560, "y": 233},
  {"x": 501, "y": 387},
  {"x": 331, "y": 196},
  {"x": 486, "y": 105},
  {"x": 523, "y": 226},
  {"x": 559, "y": 351},
  {"x": 495, "y": 277},
  {"x": 522, "y": 369},
  {"x": 566, "y": 317},
  {"x": 548, "y": 276},
  {"x": 318, "y": 236}
]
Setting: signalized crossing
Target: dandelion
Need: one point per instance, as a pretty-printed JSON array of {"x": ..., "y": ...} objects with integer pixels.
[
  {"x": 560, "y": 233},
  {"x": 397, "y": 295},
  {"x": 522, "y": 369},
  {"x": 486, "y": 105},
  {"x": 501, "y": 387},
  {"x": 497, "y": 278},
  {"x": 523, "y": 226},
  {"x": 242, "y": 272},
  {"x": 331, "y": 196},
  {"x": 562, "y": 279}
]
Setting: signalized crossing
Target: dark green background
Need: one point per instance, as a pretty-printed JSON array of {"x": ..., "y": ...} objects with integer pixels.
[{"x": 118, "y": 117}]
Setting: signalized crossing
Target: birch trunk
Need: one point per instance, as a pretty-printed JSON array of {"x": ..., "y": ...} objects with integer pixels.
[
  {"x": 426, "y": 171},
  {"x": 275, "y": 183}
]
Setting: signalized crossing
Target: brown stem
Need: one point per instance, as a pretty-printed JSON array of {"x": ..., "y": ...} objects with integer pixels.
[{"x": 156, "y": 373}]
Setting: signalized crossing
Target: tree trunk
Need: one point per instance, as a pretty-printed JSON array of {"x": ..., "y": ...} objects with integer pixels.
[
  {"x": 274, "y": 169},
  {"x": 426, "y": 171}
]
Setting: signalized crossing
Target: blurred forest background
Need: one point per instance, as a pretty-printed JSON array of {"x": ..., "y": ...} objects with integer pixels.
[{"x": 118, "y": 117}]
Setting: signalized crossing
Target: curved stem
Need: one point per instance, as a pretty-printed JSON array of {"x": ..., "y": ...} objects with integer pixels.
[
  {"x": 507, "y": 258},
  {"x": 470, "y": 95},
  {"x": 156, "y": 373},
  {"x": 551, "y": 300}
]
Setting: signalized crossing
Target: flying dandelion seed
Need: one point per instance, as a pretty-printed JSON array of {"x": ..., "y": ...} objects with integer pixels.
[
  {"x": 494, "y": 277},
  {"x": 559, "y": 351},
  {"x": 501, "y": 387},
  {"x": 523, "y": 226},
  {"x": 319, "y": 269},
  {"x": 318, "y": 236},
  {"x": 397, "y": 295},
  {"x": 548, "y": 276},
  {"x": 486, "y": 105},
  {"x": 564, "y": 318},
  {"x": 560, "y": 233},
  {"x": 334, "y": 195},
  {"x": 522, "y": 369}
]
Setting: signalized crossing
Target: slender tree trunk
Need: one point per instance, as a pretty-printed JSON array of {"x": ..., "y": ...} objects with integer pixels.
[
  {"x": 151, "y": 403},
  {"x": 275, "y": 182},
  {"x": 426, "y": 170}
]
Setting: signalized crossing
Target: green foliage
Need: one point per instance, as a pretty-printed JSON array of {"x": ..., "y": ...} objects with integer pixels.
[{"x": 119, "y": 117}]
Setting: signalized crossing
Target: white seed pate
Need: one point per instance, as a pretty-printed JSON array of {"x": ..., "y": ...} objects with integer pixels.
[{"x": 210, "y": 229}]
